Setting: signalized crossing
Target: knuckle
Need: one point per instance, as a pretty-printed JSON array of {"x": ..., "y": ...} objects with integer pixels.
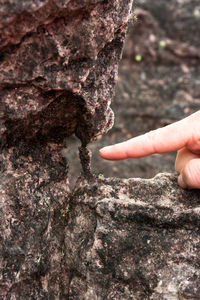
[{"x": 151, "y": 138}]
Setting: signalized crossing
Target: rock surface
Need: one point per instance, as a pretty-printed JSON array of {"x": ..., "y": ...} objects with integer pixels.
[
  {"x": 106, "y": 238},
  {"x": 58, "y": 67},
  {"x": 133, "y": 239},
  {"x": 63, "y": 57}
]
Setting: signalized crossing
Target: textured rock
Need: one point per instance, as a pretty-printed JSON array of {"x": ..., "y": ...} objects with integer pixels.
[
  {"x": 58, "y": 67},
  {"x": 63, "y": 54},
  {"x": 106, "y": 239},
  {"x": 33, "y": 190},
  {"x": 133, "y": 239}
]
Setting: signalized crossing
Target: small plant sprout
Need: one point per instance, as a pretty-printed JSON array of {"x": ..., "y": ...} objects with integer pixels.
[
  {"x": 162, "y": 44},
  {"x": 64, "y": 212},
  {"x": 197, "y": 13},
  {"x": 101, "y": 176},
  {"x": 138, "y": 57},
  {"x": 133, "y": 18}
]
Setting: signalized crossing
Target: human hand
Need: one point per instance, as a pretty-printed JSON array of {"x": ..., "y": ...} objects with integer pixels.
[{"x": 183, "y": 135}]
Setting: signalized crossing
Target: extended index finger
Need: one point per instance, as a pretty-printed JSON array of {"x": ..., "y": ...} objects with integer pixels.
[{"x": 167, "y": 139}]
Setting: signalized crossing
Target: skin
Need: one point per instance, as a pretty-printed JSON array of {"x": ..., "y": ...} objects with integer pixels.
[{"x": 182, "y": 136}]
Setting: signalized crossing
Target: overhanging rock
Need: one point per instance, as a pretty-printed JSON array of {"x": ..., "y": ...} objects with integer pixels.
[{"x": 58, "y": 66}]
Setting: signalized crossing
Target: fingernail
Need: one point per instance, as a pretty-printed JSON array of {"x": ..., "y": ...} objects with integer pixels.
[{"x": 182, "y": 182}]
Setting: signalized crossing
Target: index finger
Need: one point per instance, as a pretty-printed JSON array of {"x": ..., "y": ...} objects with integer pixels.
[{"x": 167, "y": 139}]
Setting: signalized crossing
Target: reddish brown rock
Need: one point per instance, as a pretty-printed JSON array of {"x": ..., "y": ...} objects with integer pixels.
[
  {"x": 105, "y": 239},
  {"x": 58, "y": 67},
  {"x": 66, "y": 54}
]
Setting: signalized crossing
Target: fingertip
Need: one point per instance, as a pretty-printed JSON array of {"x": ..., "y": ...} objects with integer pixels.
[
  {"x": 113, "y": 152},
  {"x": 105, "y": 151}
]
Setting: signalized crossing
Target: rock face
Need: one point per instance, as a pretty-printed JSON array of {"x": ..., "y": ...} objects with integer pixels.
[
  {"x": 58, "y": 67},
  {"x": 63, "y": 57},
  {"x": 133, "y": 239},
  {"x": 106, "y": 238}
]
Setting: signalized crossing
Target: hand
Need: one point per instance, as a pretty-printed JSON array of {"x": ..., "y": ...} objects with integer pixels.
[{"x": 183, "y": 135}]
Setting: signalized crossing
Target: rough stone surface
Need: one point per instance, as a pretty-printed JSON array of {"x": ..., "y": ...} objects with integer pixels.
[
  {"x": 133, "y": 239},
  {"x": 58, "y": 67},
  {"x": 106, "y": 238},
  {"x": 33, "y": 191},
  {"x": 63, "y": 54}
]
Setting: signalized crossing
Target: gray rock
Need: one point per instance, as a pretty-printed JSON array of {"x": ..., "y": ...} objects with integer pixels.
[
  {"x": 133, "y": 239},
  {"x": 165, "y": 32}
]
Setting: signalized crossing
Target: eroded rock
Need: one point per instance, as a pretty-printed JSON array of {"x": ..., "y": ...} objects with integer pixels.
[
  {"x": 33, "y": 191},
  {"x": 160, "y": 89},
  {"x": 62, "y": 53}
]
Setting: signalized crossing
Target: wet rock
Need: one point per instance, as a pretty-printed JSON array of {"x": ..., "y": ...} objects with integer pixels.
[{"x": 133, "y": 239}]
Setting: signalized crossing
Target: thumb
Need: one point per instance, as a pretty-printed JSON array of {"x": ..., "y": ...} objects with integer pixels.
[{"x": 189, "y": 177}]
